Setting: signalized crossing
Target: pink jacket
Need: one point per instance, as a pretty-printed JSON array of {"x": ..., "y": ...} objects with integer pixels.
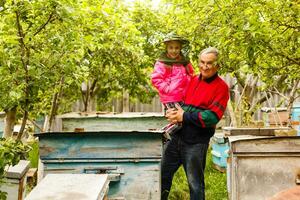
[{"x": 171, "y": 81}]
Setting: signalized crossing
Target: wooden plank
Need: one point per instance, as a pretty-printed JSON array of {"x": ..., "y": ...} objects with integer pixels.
[
  {"x": 31, "y": 177},
  {"x": 266, "y": 145},
  {"x": 110, "y": 121},
  {"x": 70, "y": 186},
  {"x": 108, "y": 124},
  {"x": 268, "y": 131}
]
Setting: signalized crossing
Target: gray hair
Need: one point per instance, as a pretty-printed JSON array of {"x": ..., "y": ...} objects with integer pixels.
[{"x": 210, "y": 50}]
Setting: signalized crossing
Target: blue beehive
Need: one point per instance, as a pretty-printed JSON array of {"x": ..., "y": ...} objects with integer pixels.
[
  {"x": 296, "y": 111},
  {"x": 130, "y": 158},
  {"x": 296, "y": 115},
  {"x": 219, "y": 152}
]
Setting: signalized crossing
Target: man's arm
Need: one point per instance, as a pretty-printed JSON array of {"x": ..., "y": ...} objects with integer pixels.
[
  {"x": 212, "y": 115},
  {"x": 202, "y": 118}
]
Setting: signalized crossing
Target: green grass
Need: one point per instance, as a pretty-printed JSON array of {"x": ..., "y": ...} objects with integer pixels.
[
  {"x": 34, "y": 154},
  {"x": 215, "y": 188},
  {"x": 33, "y": 157}
]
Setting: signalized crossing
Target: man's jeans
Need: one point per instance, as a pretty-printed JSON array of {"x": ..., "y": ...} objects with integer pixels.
[{"x": 192, "y": 157}]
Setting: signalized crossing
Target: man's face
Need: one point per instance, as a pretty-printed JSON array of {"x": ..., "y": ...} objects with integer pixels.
[
  {"x": 207, "y": 65},
  {"x": 173, "y": 49}
]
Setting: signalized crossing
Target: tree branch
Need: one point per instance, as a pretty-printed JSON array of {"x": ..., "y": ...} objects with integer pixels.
[
  {"x": 293, "y": 60},
  {"x": 45, "y": 24},
  {"x": 264, "y": 98},
  {"x": 240, "y": 80},
  {"x": 278, "y": 93},
  {"x": 289, "y": 26},
  {"x": 21, "y": 38},
  {"x": 93, "y": 86}
]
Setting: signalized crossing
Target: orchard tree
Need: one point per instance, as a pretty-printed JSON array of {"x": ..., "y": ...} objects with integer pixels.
[
  {"x": 119, "y": 50},
  {"x": 49, "y": 48},
  {"x": 38, "y": 47},
  {"x": 258, "y": 41}
]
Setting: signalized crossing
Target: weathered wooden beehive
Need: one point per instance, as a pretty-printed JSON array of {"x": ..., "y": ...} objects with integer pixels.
[
  {"x": 130, "y": 158},
  {"x": 261, "y": 166}
]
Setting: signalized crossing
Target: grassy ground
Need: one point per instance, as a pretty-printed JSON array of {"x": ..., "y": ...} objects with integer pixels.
[{"x": 215, "y": 184}]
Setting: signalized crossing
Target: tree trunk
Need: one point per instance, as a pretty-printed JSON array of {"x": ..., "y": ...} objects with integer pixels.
[
  {"x": 125, "y": 101},
  {"x": 233, "y": 122},
  {"x": 88, "y": 93},
  {"x": 85, "y": 95},
  {"x": 52, "y": 112},
  {"x": 24, "y": 120},
  {"x": 10, "y": 118},
  {"x": 55, "y": 103}
]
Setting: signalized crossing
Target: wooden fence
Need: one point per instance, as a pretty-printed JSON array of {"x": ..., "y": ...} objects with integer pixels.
[{"x": 124, "y": 105}]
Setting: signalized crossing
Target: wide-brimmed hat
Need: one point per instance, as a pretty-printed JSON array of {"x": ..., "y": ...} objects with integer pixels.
[{"x": 175, "y": 37}]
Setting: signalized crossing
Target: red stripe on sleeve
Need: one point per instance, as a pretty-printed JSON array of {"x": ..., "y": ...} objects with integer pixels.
[{"x": 201, "y": 120}]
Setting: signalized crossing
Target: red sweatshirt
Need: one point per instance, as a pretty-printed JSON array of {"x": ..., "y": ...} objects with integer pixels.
[{"x": 204, "y": 104}]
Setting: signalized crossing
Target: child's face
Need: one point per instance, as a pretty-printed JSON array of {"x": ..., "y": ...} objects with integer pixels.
[{"x": 173, "y": 49}]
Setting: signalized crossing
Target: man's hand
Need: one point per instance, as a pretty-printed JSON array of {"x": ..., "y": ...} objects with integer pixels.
[{"x": 175, "y": 115}]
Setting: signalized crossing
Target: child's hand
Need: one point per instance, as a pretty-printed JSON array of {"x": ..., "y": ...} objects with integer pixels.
[
  {"x": 175, "y": 115},
  {"x": 180, "y": 111}
]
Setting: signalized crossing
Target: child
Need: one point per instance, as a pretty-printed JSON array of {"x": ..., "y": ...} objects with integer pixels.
[{"x": 171, "y": 76}]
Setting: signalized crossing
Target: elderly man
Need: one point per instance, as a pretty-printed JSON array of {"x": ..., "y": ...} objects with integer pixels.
[{"x": 204, "y": 105}]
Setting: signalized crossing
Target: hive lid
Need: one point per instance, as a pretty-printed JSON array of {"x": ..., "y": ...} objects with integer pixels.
[{"x": 17, "y": 171}]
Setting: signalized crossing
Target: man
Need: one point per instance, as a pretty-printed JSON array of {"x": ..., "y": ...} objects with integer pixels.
[{"x": 204, "y": 105}]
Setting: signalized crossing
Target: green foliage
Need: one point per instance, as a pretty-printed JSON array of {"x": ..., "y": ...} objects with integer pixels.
[
  {"x": 11, "y": 151},
  {"x": 37, "y": 48},
  {"x": 109, "y": 46},
  {"x": 256, "y": 38},
  {"x": 112, "y": 47}
]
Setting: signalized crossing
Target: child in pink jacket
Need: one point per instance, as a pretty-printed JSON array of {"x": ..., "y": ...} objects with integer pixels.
[{"x": 172, "y": 74}]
